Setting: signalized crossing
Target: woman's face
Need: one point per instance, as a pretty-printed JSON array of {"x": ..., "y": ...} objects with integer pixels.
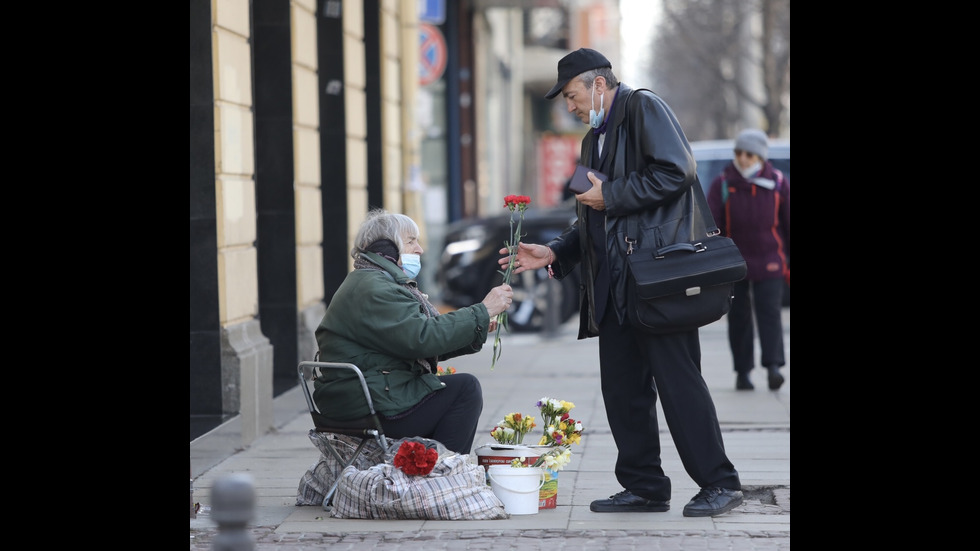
[
  {"x": 744, "y": 159},
  {"x": 411, "y": 244}
]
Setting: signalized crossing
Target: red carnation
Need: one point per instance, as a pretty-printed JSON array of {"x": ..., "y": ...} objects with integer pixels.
[
  {"x": 514, "y": 201},
  {"x": 517, "y": 203}
]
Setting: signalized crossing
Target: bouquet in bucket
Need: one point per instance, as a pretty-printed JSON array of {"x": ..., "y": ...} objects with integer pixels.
[
  {"x": 560, "y": 431},
  {"x": 559, "y": 428},
  {"x": 554, "y": 459},
  {"x": 512, "y": 428}
]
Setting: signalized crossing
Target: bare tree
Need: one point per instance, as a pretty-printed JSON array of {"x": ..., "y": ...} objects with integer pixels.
[
  {"x": 775, "y": 62},
  {"x": 716, "y": 60}
]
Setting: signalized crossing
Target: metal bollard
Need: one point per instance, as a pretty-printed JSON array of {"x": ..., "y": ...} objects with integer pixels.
[
  {"x": 193, "y": 510},
  {"x": 232, "y": 507}
]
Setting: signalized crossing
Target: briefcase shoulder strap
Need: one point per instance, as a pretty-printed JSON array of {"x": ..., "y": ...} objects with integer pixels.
[{"x": 633, "y": 230}]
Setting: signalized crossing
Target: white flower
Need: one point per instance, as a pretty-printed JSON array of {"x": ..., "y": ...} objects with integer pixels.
[{"x": 555, "y": 459}]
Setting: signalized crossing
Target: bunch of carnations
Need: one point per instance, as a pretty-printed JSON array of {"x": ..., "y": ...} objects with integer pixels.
[
  {"x": 518, "y": 204},
  {"x": 415, "y": 458}
]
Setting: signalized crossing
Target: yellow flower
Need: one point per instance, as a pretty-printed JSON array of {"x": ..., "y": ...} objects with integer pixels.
[
  {"x": 559, "y": 428},
  {"x": 512, "y": 428},
  {"x": 560, "y": 432}
]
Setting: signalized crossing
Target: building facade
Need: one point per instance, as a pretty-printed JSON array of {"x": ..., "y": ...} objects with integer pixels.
[
  {"x": 301, "y": 121},
  {"x": 304, "y": 115}
]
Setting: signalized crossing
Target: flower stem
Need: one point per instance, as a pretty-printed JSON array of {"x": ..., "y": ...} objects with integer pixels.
[{"x": 518, "y": 203}]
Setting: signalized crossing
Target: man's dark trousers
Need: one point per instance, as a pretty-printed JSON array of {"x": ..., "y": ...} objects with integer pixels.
[{"x": 633, "y": 366}]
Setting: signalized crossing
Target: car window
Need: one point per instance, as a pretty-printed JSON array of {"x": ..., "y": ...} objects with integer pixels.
[
  {"x": 783, "y": 166},
  {"x": 708, "y": 170}
]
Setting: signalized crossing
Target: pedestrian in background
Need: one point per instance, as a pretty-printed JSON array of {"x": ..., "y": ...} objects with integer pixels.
[
  {"x": 637, "y": 141},
  {"x": 749, "y": 201}
]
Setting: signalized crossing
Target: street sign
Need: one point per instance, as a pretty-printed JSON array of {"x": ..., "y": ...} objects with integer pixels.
[
  {"x": 432, "y": 11},
  {"x": 432, "y": 50}
]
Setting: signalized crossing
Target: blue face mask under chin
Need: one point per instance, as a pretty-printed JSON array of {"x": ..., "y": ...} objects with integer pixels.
[{"x": 411, "y": 264}]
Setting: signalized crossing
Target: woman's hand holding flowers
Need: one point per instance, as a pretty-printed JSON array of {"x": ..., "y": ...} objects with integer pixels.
[{"x": 499, "y": 299}]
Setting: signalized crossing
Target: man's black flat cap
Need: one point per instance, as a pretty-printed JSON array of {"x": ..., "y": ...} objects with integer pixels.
[{"x": 574, "y": 64}]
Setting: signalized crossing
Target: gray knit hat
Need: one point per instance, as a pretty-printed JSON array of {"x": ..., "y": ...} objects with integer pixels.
[{"x": 753, "y": 141}]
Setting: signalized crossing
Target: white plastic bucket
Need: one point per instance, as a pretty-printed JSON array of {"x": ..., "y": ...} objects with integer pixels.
[{"x": 516, "y": 487}]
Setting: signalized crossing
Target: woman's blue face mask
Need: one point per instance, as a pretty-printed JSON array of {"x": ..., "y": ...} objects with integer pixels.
[{"x": 411, "y": 264}]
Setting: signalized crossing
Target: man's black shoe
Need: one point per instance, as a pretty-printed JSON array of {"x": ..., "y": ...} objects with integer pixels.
[
  {"x": 742, "y": 382},
  {"x": 713, "y": 501},
  {"x": 627, "y": 502},
  {"x": 775, "y": 378}
]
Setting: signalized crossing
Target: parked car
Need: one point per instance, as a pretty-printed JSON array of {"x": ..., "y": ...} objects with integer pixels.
[
  {"x": 713, "y": 155},
  {"x": 468, "y": 266}
]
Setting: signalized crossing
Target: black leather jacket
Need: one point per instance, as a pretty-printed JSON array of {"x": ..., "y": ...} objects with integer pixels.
[{"x": 651, "y": 182}]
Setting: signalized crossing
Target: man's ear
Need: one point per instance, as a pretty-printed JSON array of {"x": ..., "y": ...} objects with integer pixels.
[{"x": 600, "y": 84}]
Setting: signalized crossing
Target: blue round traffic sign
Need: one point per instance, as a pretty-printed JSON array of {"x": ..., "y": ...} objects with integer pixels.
[{"x": 432, "y": 61}]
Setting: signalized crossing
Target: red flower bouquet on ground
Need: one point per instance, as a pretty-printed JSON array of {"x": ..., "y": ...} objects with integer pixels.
[{"x": 414, "y": 458}]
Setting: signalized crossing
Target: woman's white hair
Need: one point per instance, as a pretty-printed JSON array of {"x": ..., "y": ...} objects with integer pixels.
[{"x": 381, "y": 224}]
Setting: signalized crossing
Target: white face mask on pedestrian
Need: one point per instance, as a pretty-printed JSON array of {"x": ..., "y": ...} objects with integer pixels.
[
  {"x": 595, "y": 119},
  {"x": 749, "y": 171},
  {"x": 411, "y": 264}
]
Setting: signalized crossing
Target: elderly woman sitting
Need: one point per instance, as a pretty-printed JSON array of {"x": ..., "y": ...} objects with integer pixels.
[{"x": 380, "y": 321}]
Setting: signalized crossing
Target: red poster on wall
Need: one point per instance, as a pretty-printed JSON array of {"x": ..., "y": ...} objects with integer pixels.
[{"x": 557, "y": 157}]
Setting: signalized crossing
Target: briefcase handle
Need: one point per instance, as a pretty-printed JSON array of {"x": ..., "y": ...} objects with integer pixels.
[{"x": 686, "y": 247}]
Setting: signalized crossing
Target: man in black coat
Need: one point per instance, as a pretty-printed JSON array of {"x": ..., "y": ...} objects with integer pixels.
[{"x": 636, "y": 140}]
